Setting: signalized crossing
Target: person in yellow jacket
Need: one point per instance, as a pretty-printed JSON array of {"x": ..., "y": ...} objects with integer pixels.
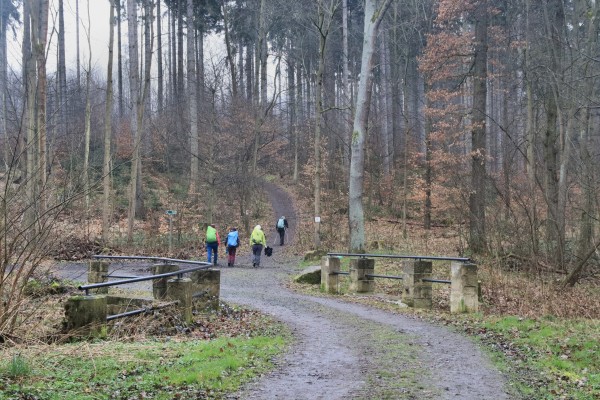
[{"x": 257, "y": 241}]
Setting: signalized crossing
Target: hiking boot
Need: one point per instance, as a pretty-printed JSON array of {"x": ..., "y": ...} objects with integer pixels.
[{"x": 254, "y": 264}]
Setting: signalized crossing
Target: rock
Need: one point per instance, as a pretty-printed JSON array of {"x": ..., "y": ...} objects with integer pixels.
[
  {"x": 310, "y": 275},
  {"x": 315, "y": 255}
]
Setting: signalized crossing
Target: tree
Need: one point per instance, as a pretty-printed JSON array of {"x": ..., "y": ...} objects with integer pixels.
[
  {"x": 138, "y": 99},
  {"x": 106, "y": 165},
  {"x": 192, "y": 98},
  {"x": 8, "y": 15},
  {"x": 478, "y": 133},
  {"x": 374, "y": 14},
  {"x": 323, "y": 24}
]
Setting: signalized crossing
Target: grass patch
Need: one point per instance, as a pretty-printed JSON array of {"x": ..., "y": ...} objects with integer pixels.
[
  {"x": 562, "y": 355},
  {"x": 150, "y": 369}
]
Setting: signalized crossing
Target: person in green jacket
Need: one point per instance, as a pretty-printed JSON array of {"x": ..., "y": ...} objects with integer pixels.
[
  {"x": 212, "y": 243},
  {"x": 257, "y": 241}
]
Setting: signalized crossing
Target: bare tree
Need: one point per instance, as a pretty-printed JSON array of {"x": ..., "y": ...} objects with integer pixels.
[
  {"x": 373, "y": 16},
  {"x": 106, "y": 165}
]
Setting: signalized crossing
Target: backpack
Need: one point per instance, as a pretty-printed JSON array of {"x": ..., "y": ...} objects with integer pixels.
[
  {"x": 268, "y": 251},
  {"x": 211, "y": 235},
  {"x": 280, "y": 223}
]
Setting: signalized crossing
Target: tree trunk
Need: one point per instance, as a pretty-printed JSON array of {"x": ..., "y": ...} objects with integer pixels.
[
  {"x": 373, "y": 17},
  {"x": 554, "y": 25},
  {"x": 106, "y": 208},
  {"x": 39, "y": 29},
  {"x": 230, "y": 52},
  {"x": 4, "y": 18},
  {"x": 192, "y": 97},
  {"x": 477, "y": 233},
  {"x": 119, "y": 60},
  {"x": 77, "y": 43},
  {"x": 160, "y": 80},
  {"x": 62, "y": 71},
  {"x": 136, "y": 105},
  {"x": 88, "y": 126}
]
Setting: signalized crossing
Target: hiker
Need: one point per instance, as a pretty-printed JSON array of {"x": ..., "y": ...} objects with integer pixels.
[
  {"x": 281, "y": 226},
  {"x": 257, "y": 241},
  {"x": 233, "y": 241},
  {"x": 212, "y": 243}
]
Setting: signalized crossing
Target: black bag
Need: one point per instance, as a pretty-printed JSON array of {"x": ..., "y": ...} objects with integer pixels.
[{"x": 268, "y": 251}]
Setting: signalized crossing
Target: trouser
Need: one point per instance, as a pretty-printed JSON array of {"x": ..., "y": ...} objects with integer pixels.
[
  {"x": 256, "y": 252},
  {"x": 231, "y": 255},
  {"x": 281, "y": 232},
  {"x": 210, "y": 249}
]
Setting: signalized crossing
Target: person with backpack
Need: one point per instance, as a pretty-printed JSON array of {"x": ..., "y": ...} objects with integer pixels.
[
  {"x": 233, "y": 241},
  {"x": 257, "y": 241},
  {"x": 281, "y": 226},
  {"x": 212, "y": 243}
]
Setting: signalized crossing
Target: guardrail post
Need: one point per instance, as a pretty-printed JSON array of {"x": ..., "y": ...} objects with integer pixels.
[
  {"x": 463, "y": 292},
  {"x": 86, "y": 314},
  {"x": 97, "y": 271},
  {"x": 329, "y": 277},
  {"x": 181, "y": 289},
  {"x": 417, "y": 293},
  {"x": 206, "y": 288},
  {"x": 359, "y": 268},
  {"x": 159, "y": 286}
]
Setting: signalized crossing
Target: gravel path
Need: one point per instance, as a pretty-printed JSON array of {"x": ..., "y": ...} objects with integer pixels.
[{"x": 350, "y": 351}]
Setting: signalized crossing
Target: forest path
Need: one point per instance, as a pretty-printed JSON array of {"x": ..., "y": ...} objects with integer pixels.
[{"x": 348, "y": 351}]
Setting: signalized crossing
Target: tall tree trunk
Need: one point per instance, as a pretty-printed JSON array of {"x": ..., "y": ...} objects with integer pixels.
[
  {"x": 4, "y": 18},
  {"x": 230, "y": 52},
  {"x": 192, "y": 98},
  {"x": 477, "y": 230},
  {"x": 291, "y": 69},
  {"x": 260, "y": 85},
  {"x": 554, "y": 16},
  {"x": 39, "y": 26},
  {"x": 106, "y": 208},
  {"x": 346, "y": 100},
  {"x": 356, "y": 218},
  {"x": 249, "y": 80},
  {"x": 77, "y": 43},
  {"x": 118, "y": 4},
  {"x": 385, "y": 106},
  {"x": 160, "y": 79},
  {"x": 62, "y": 71},
  {"x": 136, "y": 105},
  {"x": 29, "y": 117},
  {"x": 88, "y": 129}
]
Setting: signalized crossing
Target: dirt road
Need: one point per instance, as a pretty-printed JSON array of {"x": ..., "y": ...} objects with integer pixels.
[{"x": 349, "y": 351}]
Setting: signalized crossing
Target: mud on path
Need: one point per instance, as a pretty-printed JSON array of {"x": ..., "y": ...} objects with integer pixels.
[{"x": 349, "y": 351}]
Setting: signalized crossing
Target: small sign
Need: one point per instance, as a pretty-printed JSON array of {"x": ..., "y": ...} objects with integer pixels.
[
  {"x": 171, "y": 212},
  {"x": 317, "y": 219}
]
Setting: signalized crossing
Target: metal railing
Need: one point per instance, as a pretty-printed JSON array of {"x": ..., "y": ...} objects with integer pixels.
[
  {"x": 433, "y": 258},
  {"x": 179, "y": 274},
  {"x": 141, "y": 311}
]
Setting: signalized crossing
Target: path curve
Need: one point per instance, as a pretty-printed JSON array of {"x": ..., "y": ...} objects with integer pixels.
[{"x": 350, "y": 351}]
